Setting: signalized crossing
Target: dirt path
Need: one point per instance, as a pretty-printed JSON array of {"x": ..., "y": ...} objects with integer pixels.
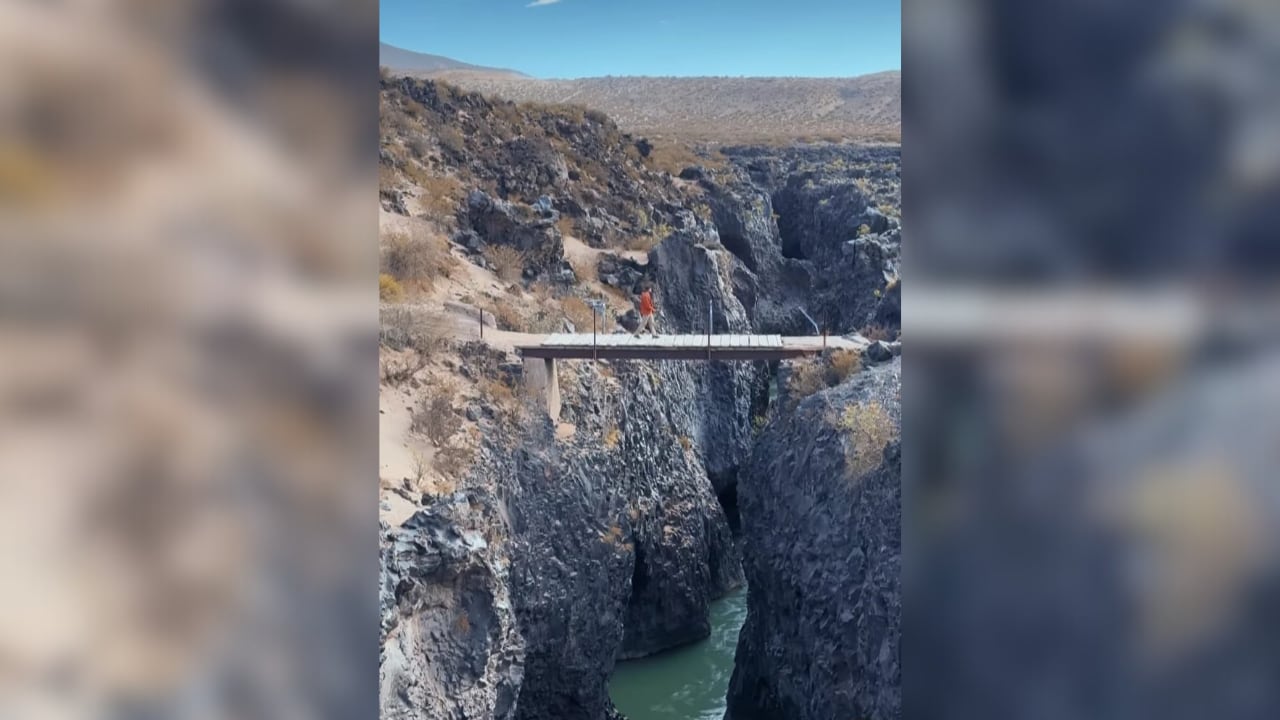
[{"x": 576, "y": 250}]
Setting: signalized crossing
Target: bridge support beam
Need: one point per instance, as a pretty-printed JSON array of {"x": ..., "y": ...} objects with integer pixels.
[{"x": 540, "y": 377}]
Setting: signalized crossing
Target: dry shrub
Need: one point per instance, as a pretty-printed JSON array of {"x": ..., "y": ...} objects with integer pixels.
[
  {"x": 814, "y": 375},
  {"x": 868, "y": 429},
  {"x": 612, "y": 437},
  {"x": 672, "y": 157},
  {"x": 842, "y": 364},
  {"x": 502, "y": 394},
  {"x": 389, "y": 289},
  {"x": 876, "y": 332},
  {"x": 509, "y": 317},
  {"x": 807, "y": 378},
  {"x": 543, "y": 291},
  {"x": 453, "y": 462},
  {"x": 420, "y": 467},
  {"x": 398, "y": 121},
  {"x": 439, "y": 196},
  {"x": 436, "y": 419},
  {"x": 565, "y": 226},
  {"x": 417, "y": 259},
  {"x": 613, "y": 535},
  {"x": 452, "y": 141},
  {"x": 579, "y": 313},
  {"x": 642, "y": 243},
  {"x": 396, "y": 371},
  {"x": 508, "y": 262},
  {"x": 419, "y": 146},
  {"x": 403, "y": 328}
]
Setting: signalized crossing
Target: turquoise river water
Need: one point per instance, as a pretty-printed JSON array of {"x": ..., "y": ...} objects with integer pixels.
[{"x": 687, "y": 683}]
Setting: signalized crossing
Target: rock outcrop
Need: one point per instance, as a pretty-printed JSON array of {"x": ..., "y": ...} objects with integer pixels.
[
  {"x": 694, "y": 287},
  {"x": 591, "y": 173},
  {"x": 618, "y": 543},
  {"x": 498, "y": 222},
  {"x": 450, "y": 648},
  {"x": 810, "y": 227},
  {"x": 820, "y": 506},
  {"x": 570, "y": 550}
]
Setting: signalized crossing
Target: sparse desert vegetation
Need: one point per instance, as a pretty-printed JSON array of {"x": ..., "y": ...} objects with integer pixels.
[
  {"x": 816, "y": 374},
  {"x": 868, "y": 429},
  {"x": 508, "y": 262},
  {"x": 416, "y": 259},
  {"x": 436, "y": 418},
  {"x": 389, "y": 289},
  {"x": 579, "y": 313},
  {"x": 719, "y": 108}
]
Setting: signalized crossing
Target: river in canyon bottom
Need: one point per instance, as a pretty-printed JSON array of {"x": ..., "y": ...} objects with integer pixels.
[{"x": 687, "y": 683}]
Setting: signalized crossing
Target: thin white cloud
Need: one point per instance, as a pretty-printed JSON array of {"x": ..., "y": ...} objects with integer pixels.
[{"x": 540, "y": 3}]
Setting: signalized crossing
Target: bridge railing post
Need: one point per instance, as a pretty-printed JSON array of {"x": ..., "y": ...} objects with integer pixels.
[{"x": 710, "y": 323}]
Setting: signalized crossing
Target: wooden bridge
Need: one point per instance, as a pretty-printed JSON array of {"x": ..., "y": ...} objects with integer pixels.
[
  {"x": 622, "y": 346},
  {"x": 541, "y": 376}
]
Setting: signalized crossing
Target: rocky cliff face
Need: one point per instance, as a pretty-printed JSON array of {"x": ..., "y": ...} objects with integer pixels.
[
  {"x": 695, "y": 287},
  {"x": 450, "y": 646},
  {"x": 817, "y": 229},
  {"x": 820, "y": 506},
  {"x": 618, "y": 543},
  {"x": 609, "y": 541},
  {"x": 613, "y": 543}
]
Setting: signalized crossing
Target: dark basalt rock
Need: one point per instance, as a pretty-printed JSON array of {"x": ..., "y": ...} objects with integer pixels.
[
  {"x": 450, "y": 646},
  {"x": 693, "y": 288},
  {"x": 612, "y": 542},
  {"x": 788, "y": 215},
  {"x": 693, "y": 172},
  {"x": 820, "y": 511},
  {"x": 622, "y": 273},
  {"x": 618, "y": 543},
  {"x": 533, "y": 168},
  {"x": 881, "y": 351},
  {"x": 499, "y": 222},
  {"x": 392, "y": 200}
]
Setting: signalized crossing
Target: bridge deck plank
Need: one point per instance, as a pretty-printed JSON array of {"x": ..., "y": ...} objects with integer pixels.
[{"x": 734, "y": 343}]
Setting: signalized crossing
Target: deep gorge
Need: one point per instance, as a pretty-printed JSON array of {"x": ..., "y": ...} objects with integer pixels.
[{"x": 562, "y": 554}]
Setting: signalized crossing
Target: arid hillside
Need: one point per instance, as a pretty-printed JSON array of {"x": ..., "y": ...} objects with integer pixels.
[
  {"x": 865, "y": 108},
  {"x": 408, "y": 61}
]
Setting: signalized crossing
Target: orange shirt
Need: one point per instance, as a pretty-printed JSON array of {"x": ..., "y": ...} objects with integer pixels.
[{"x": 646, "y": 303}]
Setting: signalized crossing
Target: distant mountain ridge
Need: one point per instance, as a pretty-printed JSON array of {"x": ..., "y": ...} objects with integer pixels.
[
  {"x": 724, "y": 109},
  {"x": 727, "y": 109},
  {"x": 410, "y": 62}
]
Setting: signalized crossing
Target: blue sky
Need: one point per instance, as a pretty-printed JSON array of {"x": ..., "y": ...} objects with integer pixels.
[{"x": 585, "y": 38}]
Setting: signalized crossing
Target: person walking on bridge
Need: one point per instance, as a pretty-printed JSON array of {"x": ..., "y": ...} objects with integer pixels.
[{"x": 646, "y": 313}]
